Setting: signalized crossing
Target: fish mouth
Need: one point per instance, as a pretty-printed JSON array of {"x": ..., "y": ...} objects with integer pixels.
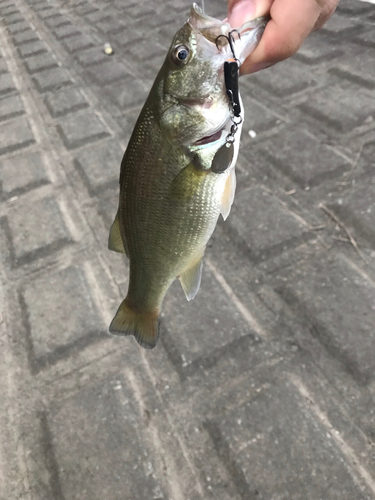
[
  {"x": 204, "y": 102},
  {"x": 208, "y": 139}
]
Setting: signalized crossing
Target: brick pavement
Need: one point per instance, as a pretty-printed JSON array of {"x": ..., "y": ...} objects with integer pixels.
[{"x": 263, "y": 387}]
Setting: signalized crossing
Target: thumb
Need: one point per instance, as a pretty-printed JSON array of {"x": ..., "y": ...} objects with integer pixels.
[{"x": 241, "y": 11}]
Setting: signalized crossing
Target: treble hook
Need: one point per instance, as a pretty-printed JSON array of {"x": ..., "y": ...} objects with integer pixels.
[{"x": 230, "y": 40}]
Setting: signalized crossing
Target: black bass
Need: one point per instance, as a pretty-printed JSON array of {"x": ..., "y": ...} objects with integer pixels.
[{"x": 177, "y": 174}]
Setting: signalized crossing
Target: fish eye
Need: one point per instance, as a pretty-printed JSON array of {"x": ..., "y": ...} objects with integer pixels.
[{"x": 181, "y": 54}]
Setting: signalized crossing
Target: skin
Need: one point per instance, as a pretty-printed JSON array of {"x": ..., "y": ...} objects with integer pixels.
[{"x": 291, "y": 22}]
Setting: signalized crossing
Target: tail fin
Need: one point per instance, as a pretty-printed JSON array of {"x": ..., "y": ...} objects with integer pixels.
[{"x": 143, "y": 325}]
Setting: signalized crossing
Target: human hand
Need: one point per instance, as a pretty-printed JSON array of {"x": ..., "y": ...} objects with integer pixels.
[{"x": 291, "y": 22}]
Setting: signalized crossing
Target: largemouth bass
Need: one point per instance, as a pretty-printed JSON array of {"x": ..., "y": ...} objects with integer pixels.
[{"x": 177, "y": 174}]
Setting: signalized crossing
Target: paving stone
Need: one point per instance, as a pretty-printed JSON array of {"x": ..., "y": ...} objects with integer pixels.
[
  {"x": 340, "y": 108},
  {"x": 32, "y": 49},
  {"x": 39, "y": 63},
  {"x": 8, "y": 11},
  {"x": 91, "y": 56},
  {"x": 81, "y": 129},
  {"x": 22, "y": 173},
  {"x": 10, "y": 107},
  {"x": 48, "y": 13},
  {"x": 3, "y": 67},
  {"x": 13, "y": 18},
  {"x": 295, "y": 455},
  {"x": 354, "y": 8},
  {"x": 52, "y": 79},
  {"x": 257, "y": 118},
  {"x": 57, "y": 21},
  {"x": 339, "y": 303},
  {"x": 66, "y": 101},
  {"x": 357, "y": 211},
  {"x": 97, "y": 16},
  {"x": 76, "y": 43},
  {"x": 264, "y": 225},
  {"x": 311, "y": 163},
  {"x": 360, "y": 70},
  {"x": 18, "y": 27},
  {"x": 85, "y": 9},
  {"x": 95, "y": 434},
  {"x": 366, "y": 39},
  {"x": 36, "y": 230},
  {"x": 110, "y": 25},
  {"x": 284, "y": 79},
  {"x": 15, "y": 135},
  {"x": 100, "y": 165},
  {"x": 109, "y": 72},
  {"x": 25, "y": 37},
  {"x": 120, "y": 94},
  {"x": 194, "y": 330},
  {"x": 61, "y": 314},
  {"x": 316, "y": 50},
  {"x": 6, "y": 84},
  {"x": 66, "y": 31},
  {"x": 340, "y": 25}
]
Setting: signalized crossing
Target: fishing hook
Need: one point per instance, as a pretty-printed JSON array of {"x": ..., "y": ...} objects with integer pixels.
[{"x": 230, "y": 40}]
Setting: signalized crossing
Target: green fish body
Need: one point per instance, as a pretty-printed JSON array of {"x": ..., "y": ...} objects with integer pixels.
[{"x": 170, "y": 197}]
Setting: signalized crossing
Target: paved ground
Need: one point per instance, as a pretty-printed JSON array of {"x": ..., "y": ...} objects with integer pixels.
[{"x": 261, "y": 388}]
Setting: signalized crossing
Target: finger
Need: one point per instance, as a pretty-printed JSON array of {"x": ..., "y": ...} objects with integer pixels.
[
  {"x": 291, "y": 22},
  {"x": 241, "y": 11},
  {"x": 329, "y": 8}
]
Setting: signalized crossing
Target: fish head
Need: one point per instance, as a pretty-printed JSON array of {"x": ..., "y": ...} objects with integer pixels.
[{"x": 194, "y": 107}]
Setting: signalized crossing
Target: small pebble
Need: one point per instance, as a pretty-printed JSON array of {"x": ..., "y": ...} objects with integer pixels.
[{"x": 108, "y": 49}]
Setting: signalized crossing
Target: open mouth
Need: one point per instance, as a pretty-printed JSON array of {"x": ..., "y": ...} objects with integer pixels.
[{"x": 209, "y": 138}]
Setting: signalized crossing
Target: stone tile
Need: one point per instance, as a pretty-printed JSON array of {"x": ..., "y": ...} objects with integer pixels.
[
  {"x": 57, "y": 21},
  {"x": 16, "y": 134},
  {"x": 354, "y": 8},
  {"x": 6, "y": 84},
  {"x": 32, "y": 49},
  {"x": 100, "y": 165},
  {"x": 10, "y": 107},
  {"x": 85, "y": 9},
  {"x": 22, "y": 173},
  {"x": 81, "y": 129},
  {"x": 295, "y": 456},
  {"x": 3, "y": 67},
  {"x": 367, "y": 39},
  {"x": 77, "y": 43},
  {"x": 17, "y": 17},
  {"x": 8, "y": 11},
  {"x": 192, "y": 331},
  {"x": 284, "y": 79},
  {"x": 35, "y": 230},
  {"x": 120, "y": 94},
  {"x": 257, "y": 118},
  {"x": 48, "y": 13},
  {"x": 40, "y": 63},
  {"x": 61, "y": 314},
  {"x": 25, "y": 37},
  {"x": 360, "y": 70},
  {"x": 96, "y": 435},
  {"x": 96, "y": 16},
  {"x": 311, "y": 163},
  {"x": 111, "y": 25},
  {"x": 18, "y": 27},
  {"x": 91, "y": 56},
  {"x": 66, "y": 101},
  {"x": 264, "y": 225},
  {"x": 357, "y": 210},
  {"x": 52, "y": 79},
  {"x": 339, "y": 304},
  {"x": 340, "y": 108},
  {"x": 316, "y": 50},
  {"x": 66, "y": 31},
  {"x": 340, "y": 25},
  {"x": 109, "y": 72}
]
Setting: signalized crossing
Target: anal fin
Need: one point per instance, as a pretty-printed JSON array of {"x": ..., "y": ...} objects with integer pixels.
[
  {"x": 115, "y": 242},
  {"x": 228, "y": 195},
  {"x": 190, "y": 279}
]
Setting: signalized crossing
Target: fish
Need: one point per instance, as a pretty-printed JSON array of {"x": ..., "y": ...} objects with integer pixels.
[{"x": 177, "y": 174}]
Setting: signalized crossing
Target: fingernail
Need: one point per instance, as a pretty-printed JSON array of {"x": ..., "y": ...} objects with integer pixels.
[{"x": 241, "y": 13}]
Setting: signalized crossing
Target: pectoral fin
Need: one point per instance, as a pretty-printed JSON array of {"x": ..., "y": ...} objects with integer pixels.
[
  {"x": 228, "y": 195},
  {"x": 191, "y": 278},
  {"x": 115, "y": 242}
]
